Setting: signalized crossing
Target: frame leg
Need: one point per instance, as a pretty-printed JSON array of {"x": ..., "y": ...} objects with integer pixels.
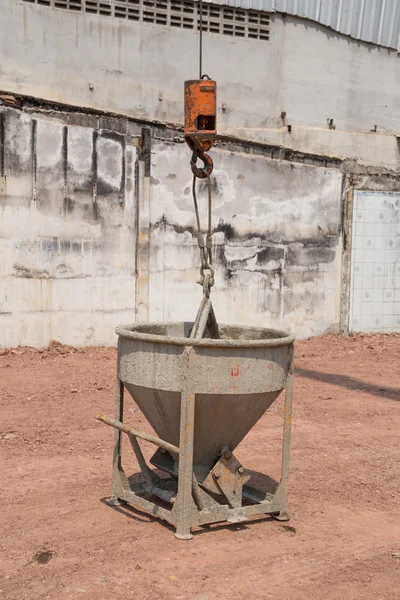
[
  {"x": 117, "y": 467},
  {"x": 147, "y": 473},
  {"x": 287, "y": 429},
  {"x": 184, "y": 500}
]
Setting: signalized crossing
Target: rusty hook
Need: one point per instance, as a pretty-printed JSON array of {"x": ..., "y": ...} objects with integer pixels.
[{"x": 207, "y": 161}]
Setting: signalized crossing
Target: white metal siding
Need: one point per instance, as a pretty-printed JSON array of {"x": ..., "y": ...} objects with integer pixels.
[{"x": 376, "y": 21}]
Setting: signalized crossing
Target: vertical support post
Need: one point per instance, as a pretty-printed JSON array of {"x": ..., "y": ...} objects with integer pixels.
[
  {"x": 117, "y": 466},
  {"x": 2, "y": 152},
  {"x": 348, "y": 198},
  {"x": 142, "y": 252},
  {"x": 287, "y": 430},
  {"x": 34, "y": 158},
  {"x": 95, "y": 138},
  {"x": 65, "y": 161},
  {"x": 184, "y": 501}
]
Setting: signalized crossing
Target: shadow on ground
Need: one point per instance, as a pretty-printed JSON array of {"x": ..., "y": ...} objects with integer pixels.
[
  {"x": 350, "y": 383},
  {"x": 261, "y": 481}
]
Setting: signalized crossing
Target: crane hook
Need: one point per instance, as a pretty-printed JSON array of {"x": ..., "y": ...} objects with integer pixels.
[{"x": 205, "y": 171}]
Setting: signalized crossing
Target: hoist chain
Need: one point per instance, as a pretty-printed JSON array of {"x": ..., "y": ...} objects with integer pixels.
[
  {"x": 205, "y": 246},
  {"x": 205, "y": 323}
]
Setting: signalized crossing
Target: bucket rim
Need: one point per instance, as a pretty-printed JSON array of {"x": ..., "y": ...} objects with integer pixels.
[{"x": 131, "y": 332}]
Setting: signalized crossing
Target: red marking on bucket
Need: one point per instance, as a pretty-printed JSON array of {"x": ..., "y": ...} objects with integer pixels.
[{"x": 235, "y": 371}]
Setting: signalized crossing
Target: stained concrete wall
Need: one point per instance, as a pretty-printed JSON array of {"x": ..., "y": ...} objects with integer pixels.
[
  {"x": 305, "y": 70},
  {"x": 277, "y": 241},
  {"x": 97, "y": 228},
  {"x": 96, "y": 231},
  {"x": 67, "y": 229}
]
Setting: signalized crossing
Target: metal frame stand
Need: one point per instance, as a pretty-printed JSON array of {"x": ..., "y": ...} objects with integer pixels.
[{"x": 186, "y": 503}]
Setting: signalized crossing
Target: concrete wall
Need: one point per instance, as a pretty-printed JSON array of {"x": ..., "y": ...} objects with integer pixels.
[
  {"x": 96, "y": 218},
  {"x": 95, "y": 232},
  {"x": 67, "y": 230},
  {"x": 277, "y": 241},
  {"x": 137, "y": 69}
]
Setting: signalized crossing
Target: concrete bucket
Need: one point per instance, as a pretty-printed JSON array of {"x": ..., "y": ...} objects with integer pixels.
[{"x": 201, "y": 396}]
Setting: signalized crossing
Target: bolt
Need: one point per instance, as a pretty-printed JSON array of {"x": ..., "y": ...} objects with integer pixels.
[
  {"x": 91, "y": 87},
  {"x": 216, "y": 475},
  {"x": 240, "y": 470},
  {"x": 228, "y": 454}
]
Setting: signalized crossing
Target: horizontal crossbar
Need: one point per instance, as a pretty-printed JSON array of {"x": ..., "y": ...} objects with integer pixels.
[{"x": 148, "y": 437}]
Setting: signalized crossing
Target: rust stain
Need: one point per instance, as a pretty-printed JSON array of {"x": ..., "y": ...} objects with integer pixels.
[{"x": 287, "y": 416}]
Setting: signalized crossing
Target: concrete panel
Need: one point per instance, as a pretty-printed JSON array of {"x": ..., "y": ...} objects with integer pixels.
[
  {"x": 72, "y": 327},
  {"x": 80, "y": 183},
  {"x": 105, "y": 324},
  {"x": 51, "y": 164},
  {"x": 18, "y": 161},
  {"x": 29, "y": 329},
  {"x": 117, "y": 294}
]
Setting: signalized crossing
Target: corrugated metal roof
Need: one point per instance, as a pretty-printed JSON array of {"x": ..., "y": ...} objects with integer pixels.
[{"x": 375, "y": 21}]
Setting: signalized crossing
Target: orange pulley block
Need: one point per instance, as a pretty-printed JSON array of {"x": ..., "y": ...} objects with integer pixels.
[{"x": 200, "y": 122}]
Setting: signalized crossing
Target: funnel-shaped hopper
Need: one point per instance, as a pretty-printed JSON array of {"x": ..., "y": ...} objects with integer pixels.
[
  {"x": 220, "y": 419},
  {"x": 234, "y": 380}
]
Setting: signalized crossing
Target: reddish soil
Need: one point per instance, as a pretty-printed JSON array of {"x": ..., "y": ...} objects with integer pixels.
[{"x": 60, "y": 539}]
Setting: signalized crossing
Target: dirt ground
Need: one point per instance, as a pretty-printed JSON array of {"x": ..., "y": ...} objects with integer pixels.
[{"x": 60, "y": 539}]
